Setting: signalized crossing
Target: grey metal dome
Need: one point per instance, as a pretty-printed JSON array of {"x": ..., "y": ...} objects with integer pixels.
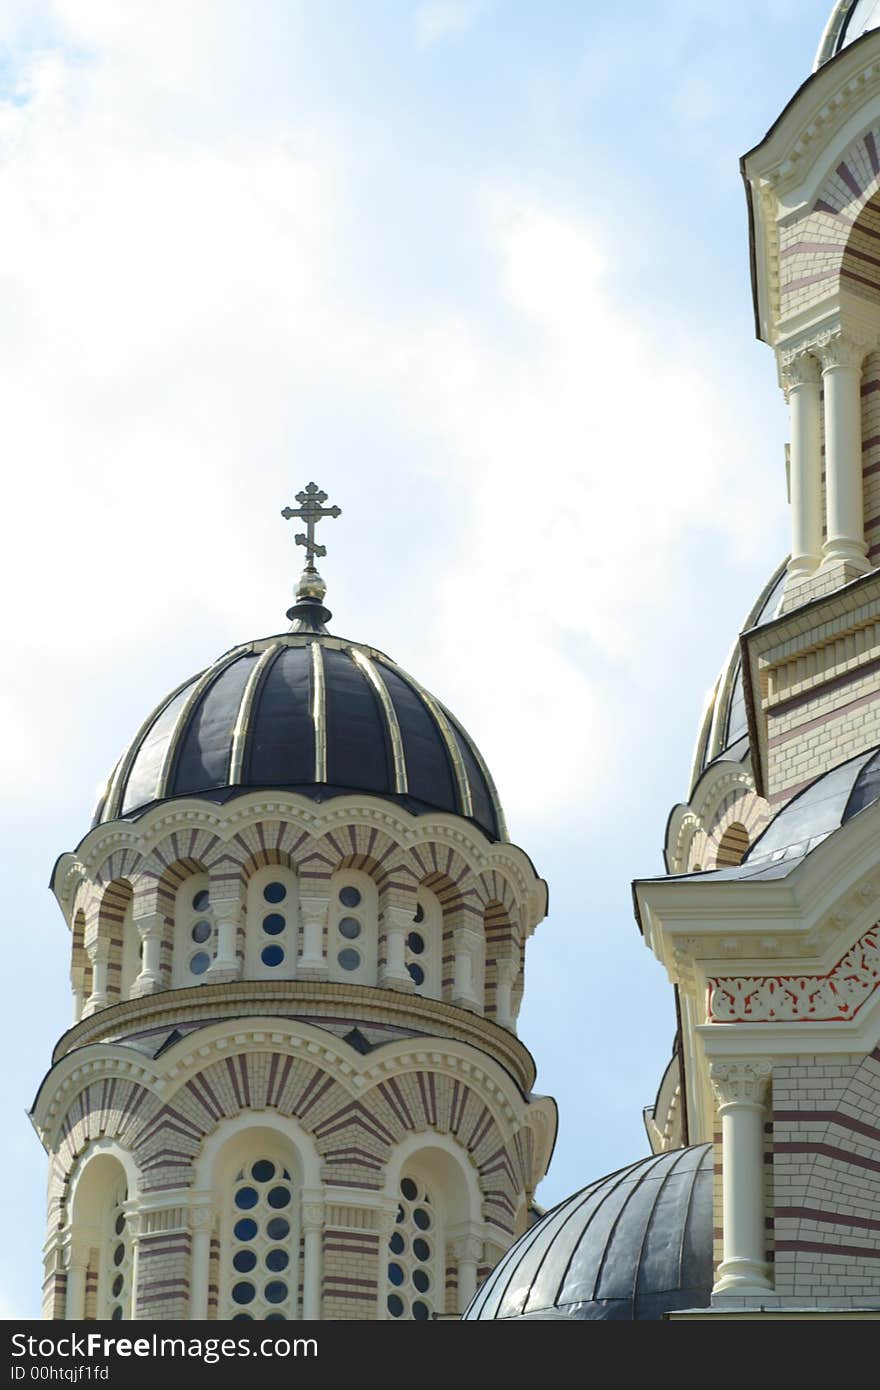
[
  {"x": 724, "y": 730},
  {"x": 630, "y": 1247},
  {"x": 307, "y": 712},
  {"x": 849, "y": 20}
]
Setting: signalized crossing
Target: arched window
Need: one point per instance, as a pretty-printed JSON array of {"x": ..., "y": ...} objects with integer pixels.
[
  {"x": 272, "y": 924},
  {"x": 258, "y": 1189},
  {"x": 416, "y": 1274},
  {"x": 732, "y": 846},
  {"x": 352, "y": 927},
  {"x": 424, "y": 945},
  {"x": 429, "y": 1273},
  {"x": 101, "y": 1259},
  {"x": 194, "y": 932}
]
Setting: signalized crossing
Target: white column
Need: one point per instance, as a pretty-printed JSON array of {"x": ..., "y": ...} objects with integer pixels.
[
  {"x": 464, "y": 989},
  {"x": 149, "y": 979},
  {"x": 741, "y": 1088},
  {"x": 201, "y": 1224},
  {"x": 313, "y": 915},
  {"x": 842, "y": 377},
  {"x": 77, "y": 1268},
  {"x": 467, "y": 1251},
  {"x": 99, "y": 954},
  {"x": 398, "y": 922},
  {"x": 801, "y": 381},
  {"x": 225, "y": 961},
  {"x": 313, "y": 1251}
]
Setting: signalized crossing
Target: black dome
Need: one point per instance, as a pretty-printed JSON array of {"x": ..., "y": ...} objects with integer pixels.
[
  {"x": 630, "y": 1247},
  {"x": 308, "y": 713}
]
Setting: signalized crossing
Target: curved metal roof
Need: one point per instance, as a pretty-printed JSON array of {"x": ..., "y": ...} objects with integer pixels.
[
  {"x": 822, "y": 807},
  {"x": 724, "y": 729},
  {"x": 310, "y": 713},
  {"x": 849, "y": 20},
  {"x": 630, "y": 1247}
]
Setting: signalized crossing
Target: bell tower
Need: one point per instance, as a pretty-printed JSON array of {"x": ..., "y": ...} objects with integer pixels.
[{"x": 293, "y": 1087}]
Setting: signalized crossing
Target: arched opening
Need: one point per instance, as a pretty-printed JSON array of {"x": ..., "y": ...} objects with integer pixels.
[
  {"x": 272, "y": 908},
  {"x": 101, "y": 1265},
  {"x": 114, "y": 915},
  {"x": 80, "y": 966},
  {"x": 432, "y": 1259},
  {"x": 257, "y": 1191},
  {"x": 423, "y": 950},
  {"x": 195, "y": 933},
  {"x": 352, "y": 927},
  {"x": 732, "y": 846}
]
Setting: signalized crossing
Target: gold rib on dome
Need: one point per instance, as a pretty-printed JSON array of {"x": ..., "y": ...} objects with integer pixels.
[
  {"x": 119, "y": 783},
  {"x": 319, "y": 712},
  {"x": 367, "y": 667},
  {"x": 181, "y": 723},
  {"x": 487, "y": 776},
  {"x": 245, "y": 709},
  {"x": 439, "y": 716}
]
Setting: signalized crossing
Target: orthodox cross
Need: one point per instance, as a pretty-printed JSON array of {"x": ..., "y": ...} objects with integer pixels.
[{"x": 311, "y": 510}]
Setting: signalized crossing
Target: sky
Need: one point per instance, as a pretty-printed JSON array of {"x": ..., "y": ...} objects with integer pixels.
[{"x": 480, "y": 269}]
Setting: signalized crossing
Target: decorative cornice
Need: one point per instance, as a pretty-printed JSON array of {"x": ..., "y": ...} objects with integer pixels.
[
  {"x": 315, "y": 819},
  {"x": 429, "y": 1018},
  {"x": 837, "y": 995}
]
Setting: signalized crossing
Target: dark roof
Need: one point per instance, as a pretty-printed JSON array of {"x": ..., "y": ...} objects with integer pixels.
[
  {"x": 630, "y": 1247},
  {"x": 808, "y": 819},
  {"x": 309, "y": 713},
  {"x": 849, "y": 21},
  {"x": 724, "y": 729}
]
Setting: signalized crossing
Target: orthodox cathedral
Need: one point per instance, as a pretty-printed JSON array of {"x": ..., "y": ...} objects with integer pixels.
[{"x": 293, "y": 1087}]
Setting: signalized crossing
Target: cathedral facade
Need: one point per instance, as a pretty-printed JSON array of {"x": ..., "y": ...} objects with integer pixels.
[{"x": 293, "y": 1086}]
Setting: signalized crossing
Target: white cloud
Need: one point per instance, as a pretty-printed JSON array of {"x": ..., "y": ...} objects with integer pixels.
[
  {"x": 176, "y": 304},
  {"x": 439, "y": 19}
]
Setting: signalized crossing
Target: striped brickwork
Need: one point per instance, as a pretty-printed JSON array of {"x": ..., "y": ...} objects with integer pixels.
[{"x": 826, "y": 1171}]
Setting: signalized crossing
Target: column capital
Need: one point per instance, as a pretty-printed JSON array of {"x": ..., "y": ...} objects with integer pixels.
[
  {"x": 149, "y": 924},
  {"x": 798, "y": 367},
  {"x": 468, "y": 1248},
  {"x": 836, "y": 349},
  {"x": 743, "y": 1081}
]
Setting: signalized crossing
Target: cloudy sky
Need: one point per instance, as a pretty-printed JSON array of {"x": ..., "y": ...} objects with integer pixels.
[{"x": 479, "y": 267}]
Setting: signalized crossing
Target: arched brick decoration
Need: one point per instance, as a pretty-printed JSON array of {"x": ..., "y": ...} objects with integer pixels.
[
  {"x": 81, "y": 966},
  {"x": 111, "y": 917},
  {"x": 732, "y": 846},
  {"x": 827, "y": 1180}
]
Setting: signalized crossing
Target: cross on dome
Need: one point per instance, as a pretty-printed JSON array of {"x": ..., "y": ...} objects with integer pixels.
[
  {"x": 311, "y": 510},
  {"x": 308, "y": 613}
]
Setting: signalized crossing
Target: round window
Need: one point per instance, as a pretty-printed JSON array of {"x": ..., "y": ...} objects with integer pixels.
[
  {"x": 417, "y": 974},
  {"x": 272, "y": 955},
  {"x": 201, "y": 931},
  {"x": 200, "y": 901},
  {"x": 350, "y": 928},
  {"x": 199, "y": 963},
  {"x": 349, "y": 897},
  {"x": 416, "y": 943},
  {"x": 349, "y": 959},
  {"x": 420, "y": 914},
  {"x": 263, "y": 1170},
  {"x": 273, "y": 924},
  {"x": 274, "y": 892}
]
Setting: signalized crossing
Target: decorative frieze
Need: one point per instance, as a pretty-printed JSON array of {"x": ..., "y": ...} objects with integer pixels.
[{"x": 839, "y": 994}]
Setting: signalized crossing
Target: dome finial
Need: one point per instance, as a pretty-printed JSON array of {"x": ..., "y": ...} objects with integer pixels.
[{"x": 308, "y": 614}]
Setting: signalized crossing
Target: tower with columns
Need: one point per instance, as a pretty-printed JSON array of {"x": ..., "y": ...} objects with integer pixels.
[
  {"x": 775, "y": 953},
  {"x": 762, "y": 1196},
  {"x": 293, "y": 1087}
]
